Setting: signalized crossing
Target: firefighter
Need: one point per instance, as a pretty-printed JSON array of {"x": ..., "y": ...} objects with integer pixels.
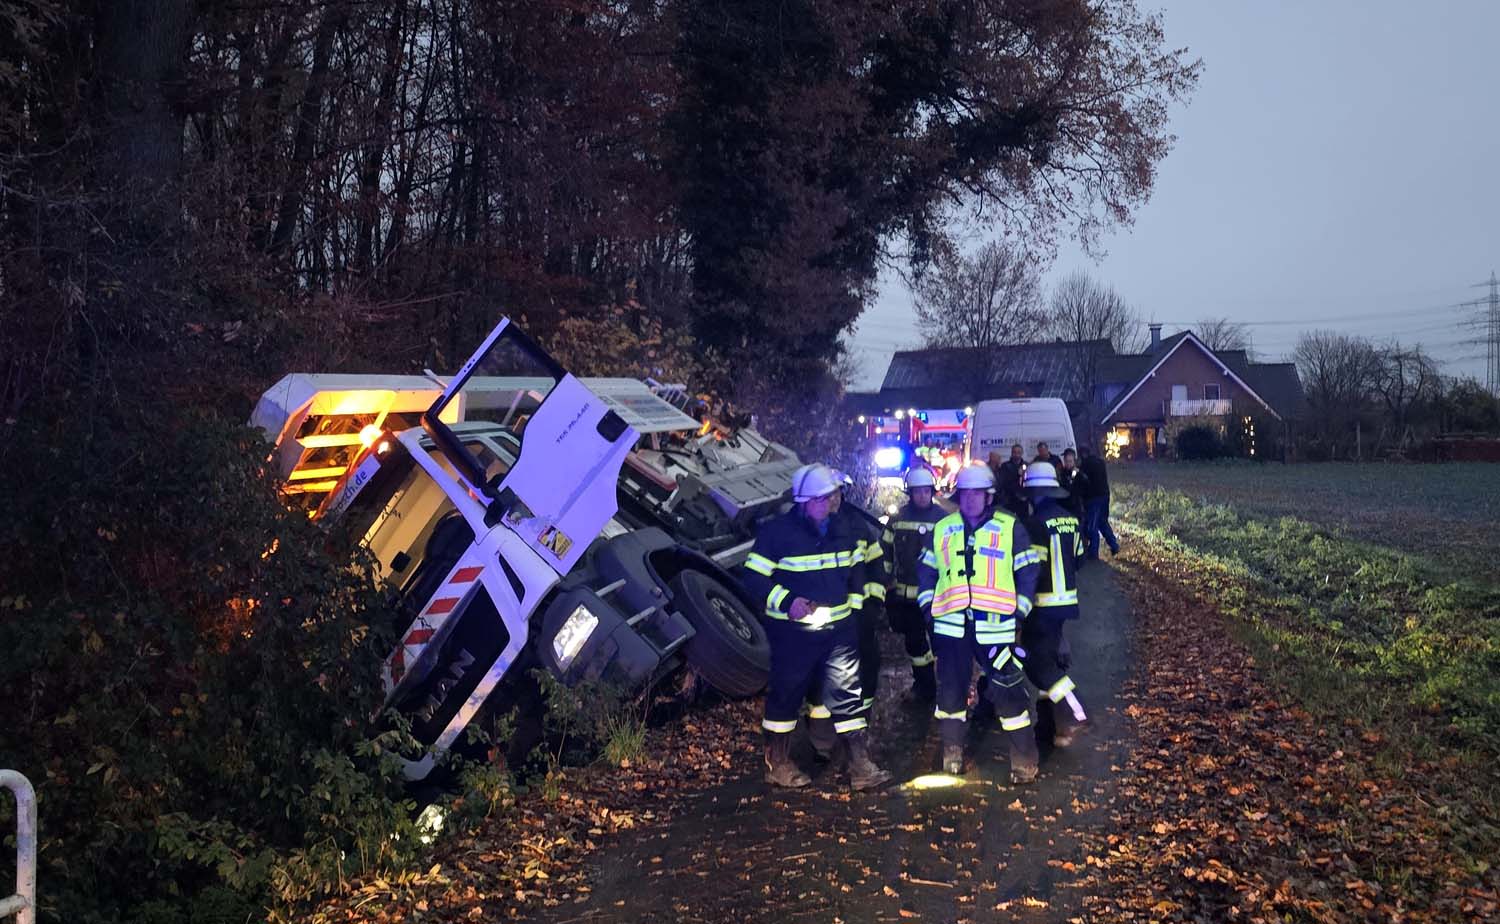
[
  {"x": 805, "y": 566},
  {"x": 876, "y": 576},
  {"x": 977, "y": 580},
  {"x": 907, "y": 535},
  {"x": 1057, "y": 538}
]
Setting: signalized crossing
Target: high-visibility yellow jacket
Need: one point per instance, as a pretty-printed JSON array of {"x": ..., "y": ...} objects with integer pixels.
[{"x": 985, "y": 576}]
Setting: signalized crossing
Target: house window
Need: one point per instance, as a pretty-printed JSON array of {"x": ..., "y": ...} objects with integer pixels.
[
  {"x": 1179, "y": 393},
  {"x": 1211, "y": 392}
]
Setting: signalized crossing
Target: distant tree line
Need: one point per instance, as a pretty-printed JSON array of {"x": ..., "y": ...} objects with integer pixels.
[{"x": 1367, "y": 400}]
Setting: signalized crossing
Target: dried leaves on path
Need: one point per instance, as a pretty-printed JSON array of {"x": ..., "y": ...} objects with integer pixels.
[{"x": 1240, "y": 806}]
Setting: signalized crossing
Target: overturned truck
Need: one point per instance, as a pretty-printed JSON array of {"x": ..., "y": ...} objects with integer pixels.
[{"x": 528, "y": 518}]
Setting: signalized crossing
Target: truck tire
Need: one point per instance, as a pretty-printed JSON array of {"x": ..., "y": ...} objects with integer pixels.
[{"x": 730, "y": 649}]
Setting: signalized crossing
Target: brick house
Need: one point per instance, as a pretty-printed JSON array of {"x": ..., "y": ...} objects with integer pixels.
[{"x": 1180, "y": 382}]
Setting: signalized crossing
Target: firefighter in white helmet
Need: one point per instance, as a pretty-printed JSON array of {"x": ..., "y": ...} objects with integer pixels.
[
  {"x": 907, "y": 535},
  {"x": 805, "y": 566},
  {"x": 1057, "y": 538},
  {"x": 977, "y": 580},
  {"x": 875, "y": 564}
]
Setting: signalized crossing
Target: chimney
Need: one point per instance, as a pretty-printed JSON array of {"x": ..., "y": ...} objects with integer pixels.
[{"x": 1155, "y": 337}]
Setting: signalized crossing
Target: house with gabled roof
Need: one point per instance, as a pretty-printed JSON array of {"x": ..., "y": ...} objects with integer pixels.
[
  {"x": 1139, "y": 400},
  {"x": 1178, "y": 381}
]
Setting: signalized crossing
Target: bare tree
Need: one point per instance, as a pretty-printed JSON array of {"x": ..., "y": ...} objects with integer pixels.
[
  {"x": 1094, "y": 318},
  {"x": 1223, "y": 334},
  {"x": 982, "y": 302},
  {"x": 1405, "y": 377},
  {"x": 1339, "y": 375}
]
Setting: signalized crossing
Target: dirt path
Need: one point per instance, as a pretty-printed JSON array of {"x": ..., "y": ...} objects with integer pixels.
[{"x": 978, "y": 852}]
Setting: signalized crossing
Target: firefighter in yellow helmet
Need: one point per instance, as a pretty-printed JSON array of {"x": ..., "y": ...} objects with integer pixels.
[
  {"x": 977, "y": 581},
  {"x": 805, "y": 567}
]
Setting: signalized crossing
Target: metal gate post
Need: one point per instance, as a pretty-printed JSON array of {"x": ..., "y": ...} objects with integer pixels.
[{"x": 23, "y": 903}]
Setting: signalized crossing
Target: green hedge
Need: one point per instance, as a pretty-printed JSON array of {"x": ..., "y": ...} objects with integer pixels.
[{"x": 188, "y": 677}]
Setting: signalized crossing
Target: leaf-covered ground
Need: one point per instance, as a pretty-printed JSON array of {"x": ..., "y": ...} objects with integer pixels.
[
  {"x": 1209, "y": 795},
  {"x": 1238, "y": 806}
]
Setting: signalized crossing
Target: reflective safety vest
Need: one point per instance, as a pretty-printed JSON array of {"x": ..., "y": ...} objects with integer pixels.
[
  {"x": 976, "y": 578},
  {"x": 908, "y": 535},
  {"x": 1057, "y": 585}
]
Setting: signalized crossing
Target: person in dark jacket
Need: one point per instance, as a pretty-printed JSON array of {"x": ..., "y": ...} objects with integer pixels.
[
  {"x": 876, "y": 577},
  {"x": 907, "y": 535},
  {"x": 1044, "y": 454},
  {"x": 1057, "y": 538},
  {"x": 1071, "y": 480},
  {"x": 806, "y": 567},
  {"x": 1096, "y": 505},
  {"x": 1008, "y": 482}
]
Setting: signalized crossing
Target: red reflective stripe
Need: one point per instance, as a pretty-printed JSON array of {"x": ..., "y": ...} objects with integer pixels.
[
  {"x": 439, "y": 607},
  {"x": 418, "y": 637},
  {"x": 466, "y": 575}
]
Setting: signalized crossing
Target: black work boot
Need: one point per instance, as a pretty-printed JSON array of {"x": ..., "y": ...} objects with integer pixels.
[
  {"x": 953, "y": 746},
  {"x": 1069, "y": 723},
  {"x": 1023, "y": 755},
  {"x": 924, "y": 683},
  {"x": 863, "y": 774},
  {"x": 823, "y": 738},
  {"x": 780, "y": 770}
]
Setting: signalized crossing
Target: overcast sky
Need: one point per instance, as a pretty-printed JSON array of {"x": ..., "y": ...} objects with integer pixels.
[{"x": 1338, "y": 167}]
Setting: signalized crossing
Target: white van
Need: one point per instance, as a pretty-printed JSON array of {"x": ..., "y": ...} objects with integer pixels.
[{"x": 1001, "y": 423}]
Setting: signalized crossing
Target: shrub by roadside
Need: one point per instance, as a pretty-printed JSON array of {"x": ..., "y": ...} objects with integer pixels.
[{"x": 189, "y": 678}]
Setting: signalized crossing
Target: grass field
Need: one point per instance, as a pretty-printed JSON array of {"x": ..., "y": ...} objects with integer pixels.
[
  {"x": 1446, "y": 516},
  {"x": 1369, "y": 591}
]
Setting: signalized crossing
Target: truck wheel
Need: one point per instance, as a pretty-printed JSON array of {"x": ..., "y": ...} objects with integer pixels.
[{"x": 730, "y": 649}]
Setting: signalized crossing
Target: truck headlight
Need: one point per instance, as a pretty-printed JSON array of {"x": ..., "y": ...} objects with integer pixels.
[
  {"x": 571, "y": 635},
  {"x": 889, "y": 457}
]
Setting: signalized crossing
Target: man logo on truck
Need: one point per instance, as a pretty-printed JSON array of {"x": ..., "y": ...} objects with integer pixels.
[{"x": 461, "y": 664}]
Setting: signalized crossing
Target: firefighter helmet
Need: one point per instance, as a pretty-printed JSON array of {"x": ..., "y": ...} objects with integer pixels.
[
  {"x": 975, "y": 475},
  {"x": 919, "y": 476},
  {"x": 813, "y": 481},
  {"x": 1042, "y": 477}
]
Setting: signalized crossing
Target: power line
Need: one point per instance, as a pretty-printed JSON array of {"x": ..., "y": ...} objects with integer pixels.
[{"x": 1305, "y": 322}]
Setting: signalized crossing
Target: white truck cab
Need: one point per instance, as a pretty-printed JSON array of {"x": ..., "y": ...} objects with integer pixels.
[{"x": 493, "y": 514}]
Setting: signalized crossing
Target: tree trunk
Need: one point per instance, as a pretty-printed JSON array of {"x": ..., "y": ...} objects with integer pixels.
[
  {"x": 305, "y": 138},
  {"x": 141, "y": 51}
]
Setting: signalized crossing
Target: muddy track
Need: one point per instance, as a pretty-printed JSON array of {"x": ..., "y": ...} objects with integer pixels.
[{"x": 981, "y": 851}]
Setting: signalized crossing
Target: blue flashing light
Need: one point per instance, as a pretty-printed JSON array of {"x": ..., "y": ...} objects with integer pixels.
[{"x": 890, "y": 458}]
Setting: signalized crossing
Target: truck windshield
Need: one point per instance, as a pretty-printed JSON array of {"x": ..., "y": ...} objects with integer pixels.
[
  {"x": 504, "y": 383},
  {"x": 404, "y": 532}
]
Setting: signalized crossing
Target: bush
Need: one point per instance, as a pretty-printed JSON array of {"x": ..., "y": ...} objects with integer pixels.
[
  {"x": 1198, "y": 442},
  {"x": 190, "y": 677}
]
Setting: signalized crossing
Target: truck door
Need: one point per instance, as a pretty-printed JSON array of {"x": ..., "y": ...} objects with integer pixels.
[
  {"x": 531, "y": 521},
  {"x": 561, "y": 490}
]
